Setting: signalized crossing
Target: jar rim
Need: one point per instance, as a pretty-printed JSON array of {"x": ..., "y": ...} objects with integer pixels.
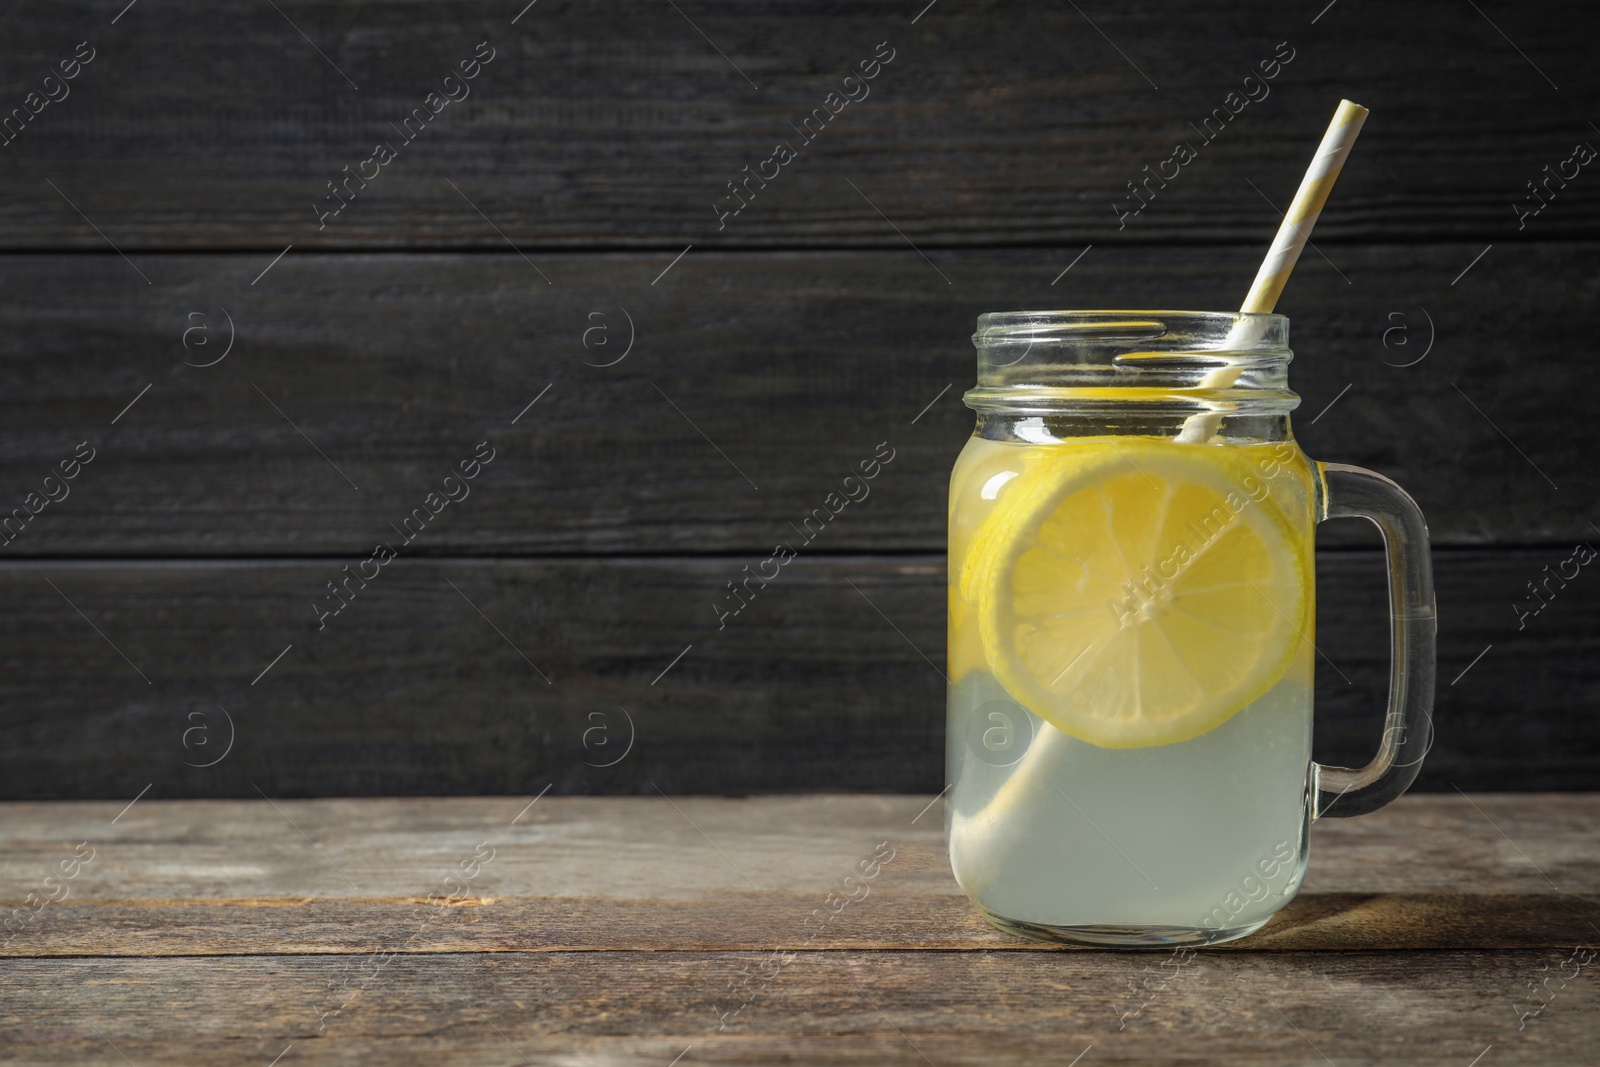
[
  {"x": 1035, "y": 362},
  {"x": 1201, "y": 330}
]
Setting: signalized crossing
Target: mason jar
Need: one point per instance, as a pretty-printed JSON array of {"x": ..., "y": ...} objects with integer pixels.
[{"x": 1132, "y": 617}]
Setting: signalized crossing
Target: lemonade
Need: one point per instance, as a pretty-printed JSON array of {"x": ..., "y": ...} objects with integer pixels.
[
  {"x": 1131, "y": 606},
  {"x": 1130, "y": 659}
]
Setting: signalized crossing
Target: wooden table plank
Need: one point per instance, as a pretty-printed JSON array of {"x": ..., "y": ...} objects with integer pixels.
[
  {"x": 373, "y": 704},
  {"x": 798, "y": 366},
  {"x": 220, "y": 125},
  {"x": 723, "y": 920},
  {"x": 638, "y": 874},
  {"x": 1434, "y": 1008},
  {"x": 611, "y": 930}
]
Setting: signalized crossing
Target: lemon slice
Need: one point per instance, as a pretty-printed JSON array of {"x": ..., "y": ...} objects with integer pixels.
[{"x": 1135, "y": 594}]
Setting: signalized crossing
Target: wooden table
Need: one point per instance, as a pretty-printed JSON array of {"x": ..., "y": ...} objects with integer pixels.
[{"x": 600, "y": 931}]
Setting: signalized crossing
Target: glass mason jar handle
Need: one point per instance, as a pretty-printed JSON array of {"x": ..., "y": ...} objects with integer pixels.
[{"x": 1408, "y": 727}]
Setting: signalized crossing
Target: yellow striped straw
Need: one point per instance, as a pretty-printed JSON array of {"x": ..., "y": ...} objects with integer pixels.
[
  {"x": 1291, "y": 239},
  {"x": 1308, "y": 201}
]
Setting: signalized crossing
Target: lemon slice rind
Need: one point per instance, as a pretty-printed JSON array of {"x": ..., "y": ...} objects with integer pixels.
[{"x": 1169, "y": 657}]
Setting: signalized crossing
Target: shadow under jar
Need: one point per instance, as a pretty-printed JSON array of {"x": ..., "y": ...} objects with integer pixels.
[{"x": 1131, "y": 625}]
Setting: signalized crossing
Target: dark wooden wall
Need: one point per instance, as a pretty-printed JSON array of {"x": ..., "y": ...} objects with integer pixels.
[{"x": 530, "y": 245}]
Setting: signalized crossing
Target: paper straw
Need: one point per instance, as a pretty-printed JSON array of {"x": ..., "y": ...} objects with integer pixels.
[
  {"x": 1037, "y": 768},
  {"x": 1308, "y": 201},
  {"x": 1293, "y": 233}
]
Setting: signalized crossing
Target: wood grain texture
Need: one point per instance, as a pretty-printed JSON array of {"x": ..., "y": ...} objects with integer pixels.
[
  {"x": 636, "y": 874},
  {"x": 780, "y": 371},
  {"x": 207, "y": 126},
  {"x": 816, "y": 686},
  {"x": 613, "y": 929},
  {"x": 635, "y": 850},
  {"x": 741, "y": 921},
  {"x": 1437, "y": 1008}
]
